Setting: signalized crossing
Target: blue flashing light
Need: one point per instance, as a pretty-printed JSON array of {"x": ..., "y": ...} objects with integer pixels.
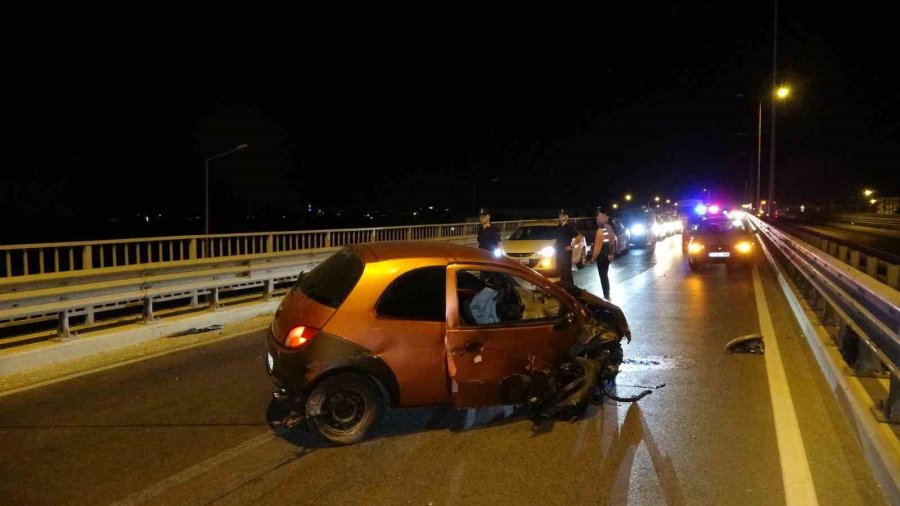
[{"x": 700, "y": 209}]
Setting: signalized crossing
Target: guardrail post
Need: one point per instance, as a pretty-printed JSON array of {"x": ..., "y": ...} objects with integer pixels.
[
  {"x": 148, "y": 309},
  {"x": 214, "y": 299},
  {"x": 192, "y": 249},
  {"x": 327, "y": 239},
  {"x": 87, "y": 258},
  {"x": 842, "y": 253},
  {"x": 270, "y": 289},
  {"x": 89, "y": 316},
  {"x": 63, "y": 326},
  {"x": 854, "y": 259},
  {"x": 872, "y": 266},
  {"x": 867, "y": 362},
  {"x": 409, "y": 233},
  {"x": 893, "y": 276},
  {"x": 891, "y": 408},
  {"x": 270, "y": 243}
]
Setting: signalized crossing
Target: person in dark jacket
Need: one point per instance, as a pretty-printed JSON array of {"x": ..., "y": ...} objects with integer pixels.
[
  {"x": 488, "y": 236},
  {"x": 604, "y": 254},
  {"x": 566, "y": 236}
]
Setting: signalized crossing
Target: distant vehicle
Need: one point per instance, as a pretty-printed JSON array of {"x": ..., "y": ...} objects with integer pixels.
[
  {"x": 722, "y": 239},
  {"x": 641, "y": 222},
  {"x": 534, "y": 245}
]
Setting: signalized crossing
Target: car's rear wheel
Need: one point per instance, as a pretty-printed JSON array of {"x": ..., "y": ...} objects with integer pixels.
[
  {"x": 694, "y": 265},
  {"x": 342, "y": 408}
]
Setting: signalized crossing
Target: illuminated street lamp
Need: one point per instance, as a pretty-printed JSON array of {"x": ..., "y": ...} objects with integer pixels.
[
  {"x": 615, "y": 205},
  {"x": 206, "y": 221},
  {"x": 868, "y": 193},
  {"x": 656, "y": 199},
  {"x": 668, "y": 201},
  {"x": 873, "y": 201},
  {"x": 783, "y": 92},
  {"x": 627, "y": 197}
]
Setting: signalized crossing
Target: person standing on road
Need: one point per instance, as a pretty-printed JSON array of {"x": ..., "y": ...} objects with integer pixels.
[
  {"x": 488, "y": 236},
  {"x": 566, "y": 237},
  {"x": 606, "y": 237}
]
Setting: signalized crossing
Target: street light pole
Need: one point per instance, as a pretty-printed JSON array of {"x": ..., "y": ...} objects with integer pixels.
[
  {"x": 774, "y": 100},
  {"x": 758, "y": 152},
  {"x": 206, "y": 185}
]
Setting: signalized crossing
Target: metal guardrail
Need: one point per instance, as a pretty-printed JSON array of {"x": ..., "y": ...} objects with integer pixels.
[
  {"x": 884, "y": 267},
  {"x": 59, "y": 281},
  {"x": 866, "y": 313},
  {"x": 871, "y": 220}
]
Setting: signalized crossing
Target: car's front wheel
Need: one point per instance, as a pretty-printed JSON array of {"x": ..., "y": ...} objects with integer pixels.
[{"x": 342, "y": 408}]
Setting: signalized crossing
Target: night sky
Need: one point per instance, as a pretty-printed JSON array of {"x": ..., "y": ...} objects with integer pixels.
[{"x": 106, "y": 129}]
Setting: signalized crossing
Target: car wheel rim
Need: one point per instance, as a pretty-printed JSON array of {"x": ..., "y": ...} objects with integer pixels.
[{"x": 345, "y": 410}]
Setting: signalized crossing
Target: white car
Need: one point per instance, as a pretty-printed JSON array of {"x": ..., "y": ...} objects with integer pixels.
[{"x": 534, "y": 245}]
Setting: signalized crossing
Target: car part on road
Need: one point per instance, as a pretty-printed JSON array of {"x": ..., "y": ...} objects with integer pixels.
[{"x": 751, "y": 343}]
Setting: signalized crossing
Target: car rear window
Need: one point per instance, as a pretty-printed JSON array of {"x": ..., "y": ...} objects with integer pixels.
[
  {"x": 332, "y": 280},
  {"x": 536, "y": 233}
]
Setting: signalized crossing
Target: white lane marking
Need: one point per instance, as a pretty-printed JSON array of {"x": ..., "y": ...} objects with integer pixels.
[
  {"x": 799, "y": 488},
  {"x": 107, "y": 367},
  {"x": 160, "y": 487}
]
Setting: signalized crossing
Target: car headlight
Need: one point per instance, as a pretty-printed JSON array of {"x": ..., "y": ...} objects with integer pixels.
[
  {"x": 744, "y": 247},
  {"x": 656, "y": 230},
  {"x": 547, "y": 251},
  {"x": 546, "y": 262},
  {"x": 637, "y": 229},
  {"x": 498, "y": 252},
  {"x": 695, "y": 247}
]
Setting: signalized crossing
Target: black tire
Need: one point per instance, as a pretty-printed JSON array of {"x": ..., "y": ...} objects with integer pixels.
[{"x": 348, "y": 405}]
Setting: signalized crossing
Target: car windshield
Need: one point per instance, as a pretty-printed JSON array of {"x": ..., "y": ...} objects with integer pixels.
[{"x": 534, "y": 233}]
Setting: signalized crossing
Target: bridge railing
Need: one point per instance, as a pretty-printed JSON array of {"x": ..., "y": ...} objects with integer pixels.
[
  {"x": 65, "y": 257},
  {"x": 865, "y": 312}
]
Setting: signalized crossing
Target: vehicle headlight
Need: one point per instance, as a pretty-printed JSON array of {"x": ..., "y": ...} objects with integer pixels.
[
  {"x": 744, "y": 247},
  {"x": 637, "y": 229},
  {"x": 695, "y": 247},
  {"x": 547, "y": 251},
  {"x": 656, "y": 229},
  {"x": 546, "y": 262},
  {"x": 498, "y": 252}
]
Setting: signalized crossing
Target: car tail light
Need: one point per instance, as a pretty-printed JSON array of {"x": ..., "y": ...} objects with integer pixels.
[
  {"x": 744, "y": 247},
  {"x": 695, "y": 247},
  {"x": 300, "y": 336}
]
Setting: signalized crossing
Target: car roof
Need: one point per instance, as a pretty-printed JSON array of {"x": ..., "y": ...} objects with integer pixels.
[{"x": 440, "y": 251}]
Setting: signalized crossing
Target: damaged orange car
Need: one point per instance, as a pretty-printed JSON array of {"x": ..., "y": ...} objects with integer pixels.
[{"x": 421, "y": 323}]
